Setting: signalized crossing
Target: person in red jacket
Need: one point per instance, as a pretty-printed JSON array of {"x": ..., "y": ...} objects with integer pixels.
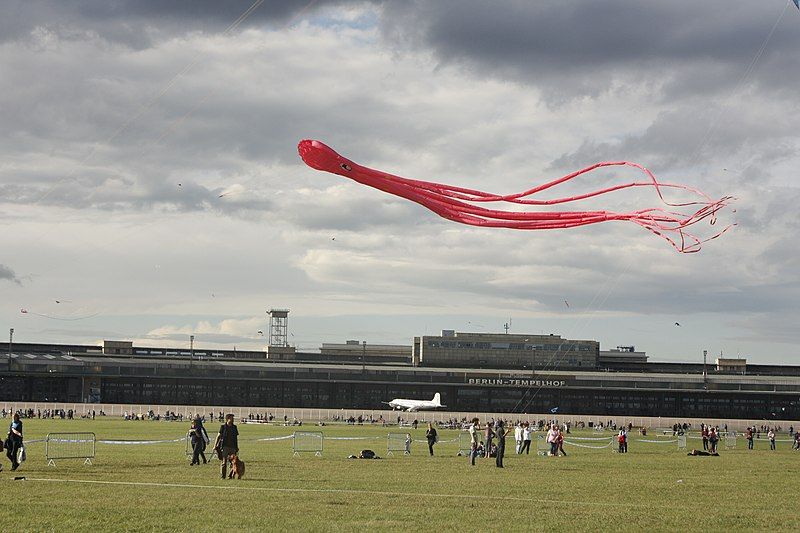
[{"x": 560, "y": 441}]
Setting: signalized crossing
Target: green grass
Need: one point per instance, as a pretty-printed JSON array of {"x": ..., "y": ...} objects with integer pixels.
[{"x": 588, "y": 490}]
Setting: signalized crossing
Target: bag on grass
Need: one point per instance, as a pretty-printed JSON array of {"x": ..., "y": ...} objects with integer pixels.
[
  {"x": 21, "y": 455},
  {"x": 367, "y": 454}
]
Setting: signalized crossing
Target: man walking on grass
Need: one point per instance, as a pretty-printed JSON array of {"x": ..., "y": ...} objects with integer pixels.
[{"x": 227, "y": 443}]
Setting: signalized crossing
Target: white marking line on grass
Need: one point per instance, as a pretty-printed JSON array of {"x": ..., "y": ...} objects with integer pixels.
[{"x": 347, "y": 491}]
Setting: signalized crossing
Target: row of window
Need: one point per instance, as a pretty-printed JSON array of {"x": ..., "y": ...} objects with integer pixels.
[{"x": 510, "y": 346}]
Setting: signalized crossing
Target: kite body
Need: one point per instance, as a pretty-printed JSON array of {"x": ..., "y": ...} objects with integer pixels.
[{"x": 458, "y": 203}]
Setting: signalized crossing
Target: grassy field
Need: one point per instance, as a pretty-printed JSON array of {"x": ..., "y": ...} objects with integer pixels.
[{"x": 147, "y": 487}]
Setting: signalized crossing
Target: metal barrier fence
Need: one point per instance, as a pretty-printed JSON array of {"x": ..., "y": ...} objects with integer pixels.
[
  {"x": 307, "y": 441},
  {"x": 70, "y": 446}
]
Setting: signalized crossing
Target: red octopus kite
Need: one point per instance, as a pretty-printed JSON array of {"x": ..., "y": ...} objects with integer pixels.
[{"x": 453, "y": 203}]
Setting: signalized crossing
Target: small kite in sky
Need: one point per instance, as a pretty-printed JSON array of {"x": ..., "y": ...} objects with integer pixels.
[
  {"x": 453, "y": 203},
  {"x": 232, "y": 190},
  {"x": 566, "y": 303},
  {"x": 554, "y": 410},
  {"x": 797, "y": 4},
  {"x": 677, "y": 324}
]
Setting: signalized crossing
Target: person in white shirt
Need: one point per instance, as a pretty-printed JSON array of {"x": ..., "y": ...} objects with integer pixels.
[
  {"x": 526, "y": 439},
  {"x": 518, "y": 437},
  {"x": 473, "y": 440}
]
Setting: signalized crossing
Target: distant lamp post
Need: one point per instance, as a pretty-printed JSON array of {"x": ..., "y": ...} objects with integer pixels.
[
  {"x": 363, "y": 356},
  {"x": 705, "y": 372},
  {"x": 10, "y": 341},
  {"x": 191, "y": 350}
]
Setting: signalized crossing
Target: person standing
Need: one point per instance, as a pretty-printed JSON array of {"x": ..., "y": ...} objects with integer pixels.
[
  {"x": 771, "y": 437},
  {"x": 204, "y": 435},
  {"x": 193, "y": 437},
  {"x": 227, "y": 443},
  {"x": 526, "y": 439},
  {"x": 198, "y": 443},
  {"x": 431, "y": 436},
  {"x": 488, "y": 436},
  {"x": 712, "y": 440},
  {"x": 408, "y": 444},
  {"x": 14, "y": 441},
  {"x": 560, "y": 441},
  {"x": 500, "y": 433},
  {"x": 518, "y": 437},
  {"x": 749, "y": 436},
  {"x": 552, "y": 440},
  {"x": 473, "y": 440},
  {"x": 704, "y": 434},
  {"x": 623, "y": 441}
]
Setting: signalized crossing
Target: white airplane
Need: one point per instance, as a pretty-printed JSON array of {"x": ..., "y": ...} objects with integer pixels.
[{"x": 416, "y": 405}]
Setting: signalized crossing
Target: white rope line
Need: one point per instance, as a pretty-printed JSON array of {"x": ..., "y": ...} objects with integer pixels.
[
  {"x": 587, "y": 446},
  {"x": 265, "y": 439},
  {"x": 141, "y": 441}
]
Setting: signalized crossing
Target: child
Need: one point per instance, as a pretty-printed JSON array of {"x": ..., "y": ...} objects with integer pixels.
[{"x": 408, "y": 444}]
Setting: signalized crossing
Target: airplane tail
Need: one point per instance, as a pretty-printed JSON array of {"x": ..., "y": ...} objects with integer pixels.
[{"x": 437, "y": 400}]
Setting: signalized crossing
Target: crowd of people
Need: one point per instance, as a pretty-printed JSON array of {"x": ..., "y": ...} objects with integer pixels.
[
  {"x": 488, "y": 441},
  {"x": 63, "y": 414},
  {"x": 494, "y": 435}
]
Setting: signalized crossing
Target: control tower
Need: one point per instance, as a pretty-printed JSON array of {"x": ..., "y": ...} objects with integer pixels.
[
  {"x": 278, "y": 327},
  {"x": 278, "y": 347}
]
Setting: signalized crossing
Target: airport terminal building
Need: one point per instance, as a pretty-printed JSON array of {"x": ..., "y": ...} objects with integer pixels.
[{"x": 578, "y": 380}]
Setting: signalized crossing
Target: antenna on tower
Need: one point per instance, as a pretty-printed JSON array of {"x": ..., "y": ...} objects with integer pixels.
[{"x": 507, "y": 326}]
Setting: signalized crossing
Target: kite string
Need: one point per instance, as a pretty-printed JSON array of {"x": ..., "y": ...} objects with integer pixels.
[
  {"x": 739, "y": 85},
  {"x": 592, "y": 309},
  {"x": 143, "y": 108}
]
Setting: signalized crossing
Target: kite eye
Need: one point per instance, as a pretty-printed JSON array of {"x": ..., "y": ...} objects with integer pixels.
[{"x": 346, "y": 167}]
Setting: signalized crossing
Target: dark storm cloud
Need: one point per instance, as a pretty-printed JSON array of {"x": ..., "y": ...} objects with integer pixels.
[
  {"x": 8, "y": 275},
  {"x": 581, "y": 47},
  {"x": 136, "y": 23}
]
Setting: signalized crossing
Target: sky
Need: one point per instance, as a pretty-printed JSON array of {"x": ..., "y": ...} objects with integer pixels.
[{"x": 150, "y": 186}]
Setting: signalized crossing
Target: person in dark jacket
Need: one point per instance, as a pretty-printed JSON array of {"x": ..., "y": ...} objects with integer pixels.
[
  {"x": 14, "y": 441},
  {"x": 432, "y": 436},
  {"x": 500, "y": 432},
  {"x": 198, "y": 441},
  {"x": 227, "y": 443}
]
